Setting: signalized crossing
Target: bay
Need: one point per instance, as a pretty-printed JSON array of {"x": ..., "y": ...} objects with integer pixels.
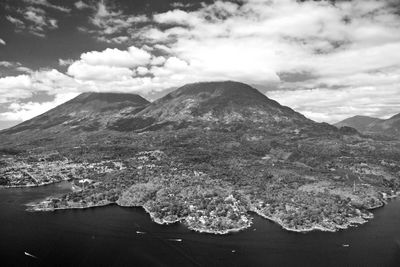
[{"x": 116, "y": 236}]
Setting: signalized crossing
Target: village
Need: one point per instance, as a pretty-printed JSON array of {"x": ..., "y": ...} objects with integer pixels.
[{"x": 44, "y": 169}]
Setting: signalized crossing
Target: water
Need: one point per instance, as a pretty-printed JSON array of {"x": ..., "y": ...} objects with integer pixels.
[{"x": 107, "y": 236}]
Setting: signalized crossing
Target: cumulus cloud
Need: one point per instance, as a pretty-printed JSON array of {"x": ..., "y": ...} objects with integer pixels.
[
  {"x": 24, "y": 111},
  {"x": 13, "y": 87},
  {"x": 142, "y": 70},
  {"x": 86, "y": 72},
  {"x": 118, "y": 58},
  {"x": 177, "y": 16},
  {"x": 23, "y": 86},
  {"x": 158, "y": 60},
  {"x": 111, "y": 65}
]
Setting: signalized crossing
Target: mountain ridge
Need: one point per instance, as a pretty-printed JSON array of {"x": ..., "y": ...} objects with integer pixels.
[
  {"x": 203, "y": 102},
  {"x": 371, "y": 125},
  {"x": 208, "y": 102}
]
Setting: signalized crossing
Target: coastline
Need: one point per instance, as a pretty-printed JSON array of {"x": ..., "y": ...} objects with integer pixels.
[
  {"x": 361, "y": 218},
  {"x": 352, "y": 221},
  {"x": 34, "y": 207},
  {"x": 220, "y": 232},
  {"x": 32, "y": 185}
]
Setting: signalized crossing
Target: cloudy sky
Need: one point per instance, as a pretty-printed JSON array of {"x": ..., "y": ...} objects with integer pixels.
[{"x": 327, "y": 59}]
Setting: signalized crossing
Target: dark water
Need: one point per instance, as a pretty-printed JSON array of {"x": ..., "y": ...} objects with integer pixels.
[{"x": 106, "y": 236}]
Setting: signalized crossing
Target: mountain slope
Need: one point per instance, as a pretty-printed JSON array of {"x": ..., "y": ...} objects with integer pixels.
[
  {"x": 212, "y": 102},
  {"x": 360, "y": 123},
  {"x": 390, "y": 126},
  {"x": 87, "y": 112},
  {"x": 371, "y": 125}
]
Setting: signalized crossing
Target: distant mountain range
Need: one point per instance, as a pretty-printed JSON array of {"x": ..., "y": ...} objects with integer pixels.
[{"x": 370, "y": 125}]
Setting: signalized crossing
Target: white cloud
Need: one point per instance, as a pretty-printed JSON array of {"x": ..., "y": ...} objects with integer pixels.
[
  {"x": 24, "y": 69},
  {"x": 114, "y": 40},
  {"x": 25, "y": 111},
  {"x": 117, "y": 58},
  {"x": 81, "y": 5},
  {"x": 19, "y": 24},
  {"x": 54, "y": 82},
  {"x": 23, "y": 86},
  {"x": 13, "y": 87},
  {"x": 176, "y": 17},
  {"x": 158, "y": 60},
  {"x": 334, "y": 105},
  {"x": 36, "y": 21},
  {"x": 87, "y": 72},
  {"x": 2, "y": 42},
  {"x": 46, "y": 3},
  {"x": 142, "y": 70},
  {"x": 110, "y": 21},
  {"x": 65, "y": 62},
  {"x": 7, "y": 64},
  {"x": 15, "y": 66}
]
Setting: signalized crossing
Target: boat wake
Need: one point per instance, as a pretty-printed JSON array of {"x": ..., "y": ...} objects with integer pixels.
[{"x": 30, "y": 255}]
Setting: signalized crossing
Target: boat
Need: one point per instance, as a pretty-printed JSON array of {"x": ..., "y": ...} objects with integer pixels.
[
  {"x": 175, "y": 239},
  {"x": 140, "y": 232},
  {"x": 345, "y": 245}
]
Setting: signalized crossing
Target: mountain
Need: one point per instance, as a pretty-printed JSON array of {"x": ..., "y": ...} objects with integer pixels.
[
  {"x": 211, "y": 102},
  {"x": 369, "y": 125},
  {"x": 87, "y": 112},
  {"x": 205, "y": 103},
  {"x": 360, "y": 123}
]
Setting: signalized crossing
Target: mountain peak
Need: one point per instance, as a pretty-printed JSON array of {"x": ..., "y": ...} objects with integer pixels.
[
  {"x": 88, "y": 111},
  {"x": 215, "y": 87},
  {"x": 212, "y": 102},
  {"x": 109, "y": 97},
  {"x": 218, "y": 94},
  {"x": 226, "y": 90}
]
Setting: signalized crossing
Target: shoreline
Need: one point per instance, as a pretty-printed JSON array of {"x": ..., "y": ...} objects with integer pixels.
[
  {"x": 332, "y": 227},
  {"x": 32, "y": 208},
  {"x": 220, "y": 232},
  {"x": 33, "y": 185}
]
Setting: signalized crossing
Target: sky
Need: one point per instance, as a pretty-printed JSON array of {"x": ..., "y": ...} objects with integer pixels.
[{"x": 328, "y": 60}]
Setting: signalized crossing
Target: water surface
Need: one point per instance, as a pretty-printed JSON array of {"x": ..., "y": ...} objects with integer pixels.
[{"x": 107, "y": 236}]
